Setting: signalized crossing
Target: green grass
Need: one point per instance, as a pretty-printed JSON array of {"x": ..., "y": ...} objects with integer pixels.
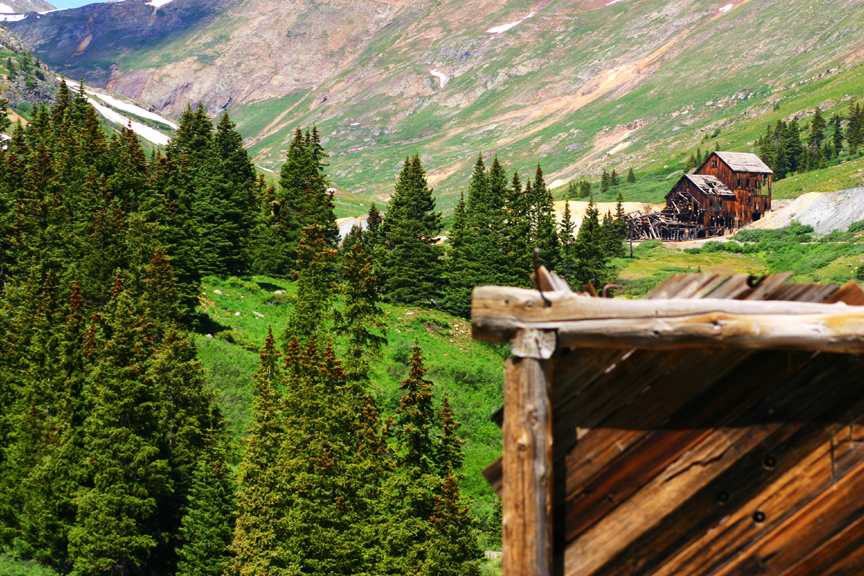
[{"x": 471, "y": 372}]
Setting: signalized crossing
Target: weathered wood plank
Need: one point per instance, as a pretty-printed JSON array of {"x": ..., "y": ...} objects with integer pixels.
[
  {"x": 842, "y": 554},
  {"x": 661, "y": 447},
  {"x": 527, "y": 469},
  {"x": 500, "y": 313},
  {"x": 494, "y": 475},
  {"x": 802, "y": 533},
  {"x": 711, "y": 526},
  {"x": 850, "y": 293}
]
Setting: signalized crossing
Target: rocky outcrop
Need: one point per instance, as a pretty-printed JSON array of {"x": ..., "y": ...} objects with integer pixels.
[{"x": 23, "y": 78}]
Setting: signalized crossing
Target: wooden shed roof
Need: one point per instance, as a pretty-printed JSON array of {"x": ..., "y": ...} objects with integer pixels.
[
  {"x": 744, "y": 162},
  {"x": 735, "y": 449},
  {"x": 709, "y": 185}
]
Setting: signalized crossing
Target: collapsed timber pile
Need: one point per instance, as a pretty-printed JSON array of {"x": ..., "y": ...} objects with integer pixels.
[{"x": 665, "y": 225}]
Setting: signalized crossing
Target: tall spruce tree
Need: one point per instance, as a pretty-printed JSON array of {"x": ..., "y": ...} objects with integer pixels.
[
  {"x": 411, "y": 267},
  {"x": 316, "y": 284},
  {"x": 591, "y": 250}
]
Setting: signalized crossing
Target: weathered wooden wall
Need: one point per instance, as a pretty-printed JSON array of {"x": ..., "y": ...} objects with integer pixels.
[
  {"x": 752, "y": 199},
  {"x": 701, "y": 462}
]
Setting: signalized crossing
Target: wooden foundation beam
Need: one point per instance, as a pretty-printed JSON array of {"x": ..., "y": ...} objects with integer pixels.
[{"x": 527, "y": 468}]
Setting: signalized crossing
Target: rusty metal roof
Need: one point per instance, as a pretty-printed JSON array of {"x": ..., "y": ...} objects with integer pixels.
[{"x": 744, "y": 162}]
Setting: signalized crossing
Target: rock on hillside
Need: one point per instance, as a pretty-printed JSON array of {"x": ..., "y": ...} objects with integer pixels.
[
  {"x": 576, "y": 84},
  {"x": 24, "y": 6}
]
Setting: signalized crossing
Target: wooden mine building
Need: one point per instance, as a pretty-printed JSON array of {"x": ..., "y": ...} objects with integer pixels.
[
  {"x": 714, "y": 427},
  {"x": 728, "y": 191}
]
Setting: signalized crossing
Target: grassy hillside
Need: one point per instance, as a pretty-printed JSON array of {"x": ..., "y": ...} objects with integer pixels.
[
  {"x": 231, "y": 334},
  {"x": 833, "y": 258}
]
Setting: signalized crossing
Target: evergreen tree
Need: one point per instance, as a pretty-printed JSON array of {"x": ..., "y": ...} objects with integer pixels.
[
  {"x": 208, "y": 524},
  {"x": 591, "y": 251},
  {"x": 572, "y": 191},
  {"x": 614, "y": 231},
  {"x": 855, "y": 128},
  {"x": 613, "y": 178},
  {"x": 412, "y": 270},
  {"x": 606, "y": 182},
  {"x": 361, "y": 319},
  {"x": 631, "y": 177},
  {"x": 259, "y": 544},
  {"x": 315, "y": 284},
  {"x": 518, "y": 233},
  {"x": 584, "y": 189},
  {"x": 118, "y": 506},
  {"x": 463, "y": 264},
  {"x": 541, "y": 215},
  {"x": 567, "y": 263},
  {"x": 837, "y": 134}
]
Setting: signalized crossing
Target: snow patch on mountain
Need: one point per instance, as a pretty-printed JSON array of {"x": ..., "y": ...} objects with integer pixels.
[
  {"x": 99, "y": 101},
  {"x": 506, "y": 27},
  {"x": 726, "y": 8},
  {"x": 6, "y": 9},
  {"x": 441, "y": 76},
  {"x": 158, "y": 3},
  {"x": 11, "y": 17}
]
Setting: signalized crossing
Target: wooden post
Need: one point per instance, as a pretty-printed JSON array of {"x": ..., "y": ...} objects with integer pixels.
[{"x": 527, "y": 468}]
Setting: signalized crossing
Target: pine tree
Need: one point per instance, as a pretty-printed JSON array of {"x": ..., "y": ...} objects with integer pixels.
[
  {"x": 572, "y": 191},
  {"x": 855, "y": 128},
  {"x": 361, "y": 318},
  {"x": 567, "y": 263},
  {"x": 449, "y": 446},
  {"x": 118, "y": 506},
  {"x": 518, "y": 232},
  {"x": 631, "y": 177},
  {"x": 613, "y": 178},
  {"x": 463, "y": 264},
  {"x": 208, "y": 523},
  {"x": 412, "y": 270},
  {"x": 316, "y": 276},
  {"x": 584, "y": 189},
  {"x": 614, "y": 231},
  {"x": 837, "y": 134},
  {"x": 411, "y": 491},
  {"x": 259, "y": 545},
  {"x": 544, "y": 233},
  {"x": 791, "y": 141},
  {"x": 606, "y": 182},
  {"x": 591, "y": 250}
]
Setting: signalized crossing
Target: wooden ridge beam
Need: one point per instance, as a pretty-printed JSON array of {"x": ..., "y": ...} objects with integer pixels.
[{"x": 499, "y": 314}]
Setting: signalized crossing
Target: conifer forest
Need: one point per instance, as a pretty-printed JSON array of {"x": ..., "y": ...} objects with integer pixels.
[{"x": 116, "y": 459}]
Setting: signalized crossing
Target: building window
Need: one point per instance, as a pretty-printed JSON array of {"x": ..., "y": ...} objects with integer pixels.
[{"x": 713, "y": 163}]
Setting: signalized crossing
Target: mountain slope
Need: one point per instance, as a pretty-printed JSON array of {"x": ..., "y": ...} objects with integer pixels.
[
  {"x": 24, "y": 6},
  {"x": 578, "y": 85}
]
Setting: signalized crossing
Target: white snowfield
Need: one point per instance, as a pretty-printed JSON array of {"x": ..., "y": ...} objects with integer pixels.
[
  {"x": 151, "y": 134},
  {"x": 441, "y": 76},
  {"x": 158, "y": 3},
  {"x": 506, "y": 27},
  {"x": 614, "y": 2},
  {"x": 11, "y": 17},
  {"x": 726, "y": 8},
  {"x": 6, "y": 9}
]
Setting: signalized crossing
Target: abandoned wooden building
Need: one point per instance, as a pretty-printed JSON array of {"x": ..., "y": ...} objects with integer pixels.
[
  {"x": 715, "y": 427},
  {"x": 728, "y": 191}
]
